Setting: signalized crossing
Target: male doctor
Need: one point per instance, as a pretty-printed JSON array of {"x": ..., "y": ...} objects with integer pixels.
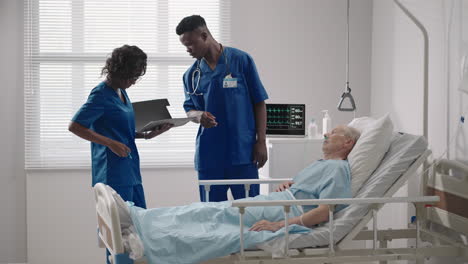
[{"x": 223, "y": 90}]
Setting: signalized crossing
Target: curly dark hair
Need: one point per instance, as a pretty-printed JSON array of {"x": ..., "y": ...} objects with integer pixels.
[{"x": 126, "y": 62}]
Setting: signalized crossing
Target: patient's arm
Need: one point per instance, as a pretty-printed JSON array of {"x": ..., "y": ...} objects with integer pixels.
[
  {"x": 309, "y": 219},
  {"x": 283, "y": 186},
  {"x": 315, "y": 216}
]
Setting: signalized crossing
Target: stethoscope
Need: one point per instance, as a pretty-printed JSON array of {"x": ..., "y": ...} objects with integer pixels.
[{"x": 196, "y": 74}]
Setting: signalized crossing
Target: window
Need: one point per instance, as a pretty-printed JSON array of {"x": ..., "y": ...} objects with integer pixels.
[{"x": 66, "y": 45}]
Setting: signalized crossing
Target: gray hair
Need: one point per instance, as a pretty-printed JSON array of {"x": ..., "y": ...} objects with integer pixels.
[{"x": 352, "y": 133}]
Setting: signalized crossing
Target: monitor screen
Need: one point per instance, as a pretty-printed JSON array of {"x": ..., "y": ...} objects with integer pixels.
[{"x": 285, "y": 119}]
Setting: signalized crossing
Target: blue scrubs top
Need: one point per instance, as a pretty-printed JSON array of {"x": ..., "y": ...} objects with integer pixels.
[
  {"x": 107, "y": 115},
  {"x": 231, "y": 142}
]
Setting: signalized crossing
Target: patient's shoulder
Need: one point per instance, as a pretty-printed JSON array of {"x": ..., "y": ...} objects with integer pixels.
[
  {"x": 337, "y": 168},
  {"x": 327, "y": 165},
  {"x": 333, "y": 163}
]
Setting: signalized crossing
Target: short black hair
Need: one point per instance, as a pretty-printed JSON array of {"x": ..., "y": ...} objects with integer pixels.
[{"x": 190, "y": 23}]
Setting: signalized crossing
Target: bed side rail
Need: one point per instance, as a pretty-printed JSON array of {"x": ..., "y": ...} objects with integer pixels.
[
  {"x": 445, "y": 166},
  {"x": 246, "y": 182},
  {"x": 419, "y": 203},
  {"x": 109, "y": 230},
  {"x": 451, "y": 211}
]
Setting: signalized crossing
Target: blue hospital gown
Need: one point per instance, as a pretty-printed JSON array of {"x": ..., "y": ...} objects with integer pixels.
[{"x": 202, "y": 231}]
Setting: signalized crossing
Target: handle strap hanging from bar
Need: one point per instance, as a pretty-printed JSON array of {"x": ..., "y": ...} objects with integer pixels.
[{"x": 347, "y": 92}]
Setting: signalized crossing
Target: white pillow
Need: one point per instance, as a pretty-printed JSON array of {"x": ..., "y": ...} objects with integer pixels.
[{"x": 369, "y": 150}]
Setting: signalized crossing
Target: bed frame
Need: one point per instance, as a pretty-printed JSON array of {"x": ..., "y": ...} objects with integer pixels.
[
  {"x": 109, "y": 231},
  {"x": 448, "y": 210},
  {"x": 444, "y": 203},
  {"x": 449, "y": 181}
]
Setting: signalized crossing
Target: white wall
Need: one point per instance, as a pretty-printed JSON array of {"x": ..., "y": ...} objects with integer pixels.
[
  {"x": 458, "y": 102},
  {"x": 299, "y": 49},
  {"x": 396, "y": 85},
  {"x": 12, "y": 175},
  {"x": 62, "y": 219},
  {"x": 397, "y": 68},
  {"x": 397, "y": 81}
]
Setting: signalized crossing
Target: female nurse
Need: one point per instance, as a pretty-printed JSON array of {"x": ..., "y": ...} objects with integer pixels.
[{"x": 107, "y": 120}]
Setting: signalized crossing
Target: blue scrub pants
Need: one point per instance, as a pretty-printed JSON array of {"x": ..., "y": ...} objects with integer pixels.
[
  {"x": 135, "y": 194},
  {"x": 218, "y": 193}
]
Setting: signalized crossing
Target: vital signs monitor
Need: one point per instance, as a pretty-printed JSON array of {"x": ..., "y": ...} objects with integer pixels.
[{"x": 286, "y": 119}]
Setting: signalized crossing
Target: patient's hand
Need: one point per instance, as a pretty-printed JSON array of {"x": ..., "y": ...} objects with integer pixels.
[
  {"x": 267, "y": 225},
  {"x": 283, "y": 186}
]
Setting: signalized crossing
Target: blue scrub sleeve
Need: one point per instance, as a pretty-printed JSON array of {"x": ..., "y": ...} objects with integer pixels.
[
  {"x": 188, "y": 103},
  {"x": 92, "y": 110},
  {"x": 256, "y": 89}
]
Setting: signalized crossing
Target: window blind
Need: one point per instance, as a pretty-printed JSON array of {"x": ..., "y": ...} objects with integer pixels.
[{"x": 66, "y": 44}]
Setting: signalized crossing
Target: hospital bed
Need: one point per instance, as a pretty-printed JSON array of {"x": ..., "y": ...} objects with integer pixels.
[{"x": 328, "y": 243}]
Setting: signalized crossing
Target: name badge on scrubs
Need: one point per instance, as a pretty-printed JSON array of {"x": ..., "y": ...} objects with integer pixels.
[{"x": 229, "y": 82}]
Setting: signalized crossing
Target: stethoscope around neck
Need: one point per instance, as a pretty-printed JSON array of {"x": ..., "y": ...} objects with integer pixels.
[{"x": 196, "y": 74}]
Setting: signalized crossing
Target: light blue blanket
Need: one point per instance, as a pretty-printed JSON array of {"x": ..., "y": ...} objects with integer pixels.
[{"x": 202, "y": 231}]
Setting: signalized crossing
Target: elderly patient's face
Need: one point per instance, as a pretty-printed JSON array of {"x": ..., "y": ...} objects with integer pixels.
[{"x": 335, "y": 140}]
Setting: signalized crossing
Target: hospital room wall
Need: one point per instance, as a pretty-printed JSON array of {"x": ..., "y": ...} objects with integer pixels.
[
  {"x": 12, "y": 175},
  {"x": 300, "y": 50},
  {"x": 397, "y": 83},
  {"x": 397, "y": 69},
  {"x": 397, "y": 74},
  {"x": 396, "y": 87},
  {"x": 304, "y": 58}
]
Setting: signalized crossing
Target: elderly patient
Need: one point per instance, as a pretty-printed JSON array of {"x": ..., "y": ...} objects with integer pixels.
[{"x": 201, "y": 231}]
